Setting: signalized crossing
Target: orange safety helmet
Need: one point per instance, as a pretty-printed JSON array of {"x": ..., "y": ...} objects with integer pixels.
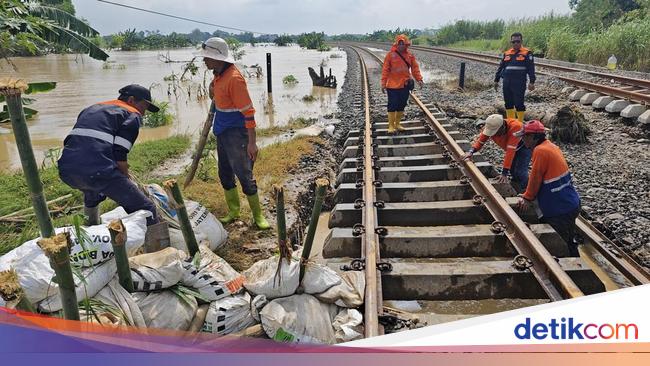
[
  {"x": 402, "y": 37},
  {"x": 531, "y": 127}
]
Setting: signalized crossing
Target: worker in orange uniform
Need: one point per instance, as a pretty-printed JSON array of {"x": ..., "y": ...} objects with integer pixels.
[
  {"x": 550, "y": 183},
  {"x": 234, "y": 128},
  {"x": 400, "y": 67},
  {"x": 516, "y": 64},
  {"x": 517, "y": 156}
]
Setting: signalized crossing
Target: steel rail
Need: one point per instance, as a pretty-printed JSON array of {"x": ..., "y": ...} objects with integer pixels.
[
  {"x": 604, "y": 89},
  {"x": 628, "y": 267},
  {"x": 615, "y": 255},
  {"x": 642, "y": 83},
  {"x": 370, "y": 238},
  {"x": 552, "y": 278}
]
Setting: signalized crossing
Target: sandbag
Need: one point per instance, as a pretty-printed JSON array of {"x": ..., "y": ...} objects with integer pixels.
[
  {"x": 214, "y": 278},
  {"x": 348, "y": 325},
  {"x": 33, "y": 266},
  {"x": 349, "y": 293},
  {"x": 205, "y": 225},
  {"x": 94, "y": 279},
  {"x": 261, "y": 278},
  {"x": 166, "y": 310},
  {"x": 157, "y": 271},
  {"x": 233, "y": 314},
  {"x": 99, "y": 249},
  {"x": 126, "y": 310},
  {"x": 299, "y": 319}
]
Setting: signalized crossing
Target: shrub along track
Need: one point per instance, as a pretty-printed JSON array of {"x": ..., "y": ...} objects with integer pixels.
[{"x": 427, "y": 226}]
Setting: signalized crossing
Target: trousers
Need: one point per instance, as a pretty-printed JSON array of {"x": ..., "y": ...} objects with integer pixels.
[{"x": 234, "y": 161}]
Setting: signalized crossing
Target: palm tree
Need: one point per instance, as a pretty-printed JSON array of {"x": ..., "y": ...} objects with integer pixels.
[{"x": 35, "y": 26}]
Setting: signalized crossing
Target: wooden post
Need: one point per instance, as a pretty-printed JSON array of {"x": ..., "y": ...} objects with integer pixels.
[
  {"x": 11, "y": 291},
  {"x": 461, "y": 77},
  {"x": 207, "y": 126},
  {"x": 57, "y": 249},
  {"x": 12, "y": 91},
  {"x": 269, "y": 82},
  {"x": 321, "y": 188},
  {"x": 118, "y": 240},
  {"x": 178, "y": 204}
]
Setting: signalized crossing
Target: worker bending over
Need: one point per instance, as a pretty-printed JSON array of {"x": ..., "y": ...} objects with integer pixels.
[
  {"x": 550, "y": 183},
  {"x": 94, "y": 157},
  {"x": 517, "y": 156}
]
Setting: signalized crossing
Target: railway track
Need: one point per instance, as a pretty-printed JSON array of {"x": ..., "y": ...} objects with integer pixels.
[
  {"x": 430, "y": 229},
  {"x": 618, "y": 86}
]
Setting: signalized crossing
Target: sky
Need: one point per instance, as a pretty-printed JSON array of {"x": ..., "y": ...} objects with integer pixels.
[{"x": 293, "y": 17}]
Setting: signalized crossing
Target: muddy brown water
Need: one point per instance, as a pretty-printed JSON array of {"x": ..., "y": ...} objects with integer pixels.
[{"x": 82, "y": 81}]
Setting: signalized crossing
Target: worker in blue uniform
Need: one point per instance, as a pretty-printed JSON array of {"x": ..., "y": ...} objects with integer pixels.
[
  {"x": 516, "y": 63},
  {"x": 94, "y": 157}
]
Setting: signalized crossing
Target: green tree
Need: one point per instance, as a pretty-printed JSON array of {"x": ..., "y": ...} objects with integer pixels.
[
  {"x": 593, "y": 15},
  {"x": 283, "y": 40},
  {"x": 38, "y": 26},
  {"x": 235, "y": 48}
]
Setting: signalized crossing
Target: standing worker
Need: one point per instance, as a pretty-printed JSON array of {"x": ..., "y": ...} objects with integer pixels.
[
  {"x": 517, "y": 156},
  {"x": 94, "y": 157},
  {"x": 516, "y": 63},
  {"x": 396, "y": 79},
  {"x": 234, "y": 127},
  {"x": 550, "y": 183}
]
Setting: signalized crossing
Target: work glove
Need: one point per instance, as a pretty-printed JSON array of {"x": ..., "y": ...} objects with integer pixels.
[{"x": 468, "y": 154}]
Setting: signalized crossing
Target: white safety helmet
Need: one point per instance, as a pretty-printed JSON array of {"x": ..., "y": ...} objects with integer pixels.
[
  {"x": 492, "y": 125},
  {"x": 217, "y": 49}
]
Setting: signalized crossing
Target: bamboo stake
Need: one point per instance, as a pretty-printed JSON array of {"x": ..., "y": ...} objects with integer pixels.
[
  {"x": 11, "y": 291},
  {"x": 321, "y": 187},
  {"x": 118, "y": 240},
  {"x": 171, "y": 186},
  {"x": 57, "y": 249},
  {"x": 12, "y": 89},
  {"x": 283, "y": 246},
  {"x": 200, "y": 146}
]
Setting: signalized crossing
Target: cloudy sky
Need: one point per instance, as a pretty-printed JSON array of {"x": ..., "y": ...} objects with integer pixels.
[{"x": 285, "y": 16}]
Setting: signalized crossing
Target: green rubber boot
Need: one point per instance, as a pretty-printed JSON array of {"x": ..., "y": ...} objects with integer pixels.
[
  {"x": 256, "y": 208},
  {"x": 232, "y": 199}
]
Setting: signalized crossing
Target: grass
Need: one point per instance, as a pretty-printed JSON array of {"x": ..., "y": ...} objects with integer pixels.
[
  {"x": 294, "y": 124},
  {"x": 478, "y": 45},
  {"x": 273, "y": 165},
  {"x": 14, "y": 194}
]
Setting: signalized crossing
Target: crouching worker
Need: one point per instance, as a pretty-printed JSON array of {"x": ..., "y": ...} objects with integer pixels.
[
  {"x": 550, "y": 183},
  {"x": 234, "y": 128},
  {"x": 517, "y": 156},
  {"x": 94, "y": 157}
]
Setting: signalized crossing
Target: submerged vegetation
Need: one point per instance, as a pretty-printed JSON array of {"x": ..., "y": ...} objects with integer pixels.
[{"x": 161, "y": 118}]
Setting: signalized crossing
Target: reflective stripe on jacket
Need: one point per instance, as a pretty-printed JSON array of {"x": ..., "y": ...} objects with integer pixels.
[
  {"x": 103, "y": 134},
  {"x": 516, "y": 64},
  {"x": 395, "y": 73},
  {"x": 233, "y": 105},
  {"x": 550, "y": 181},
  {"x": 508, "y": 141}
]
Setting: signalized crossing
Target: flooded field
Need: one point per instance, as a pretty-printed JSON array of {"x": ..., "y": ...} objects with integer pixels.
[{"x": 82, "y": 81}]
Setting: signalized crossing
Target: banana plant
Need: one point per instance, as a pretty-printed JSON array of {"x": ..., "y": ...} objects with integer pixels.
[{"x": 29, "y": 112}]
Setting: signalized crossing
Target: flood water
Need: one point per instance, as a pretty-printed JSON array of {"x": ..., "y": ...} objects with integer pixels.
[{"x": 82, "y": 81}]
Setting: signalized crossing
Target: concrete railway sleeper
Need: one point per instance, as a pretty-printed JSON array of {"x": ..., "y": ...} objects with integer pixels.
[{"x": 426, "y": 226}]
